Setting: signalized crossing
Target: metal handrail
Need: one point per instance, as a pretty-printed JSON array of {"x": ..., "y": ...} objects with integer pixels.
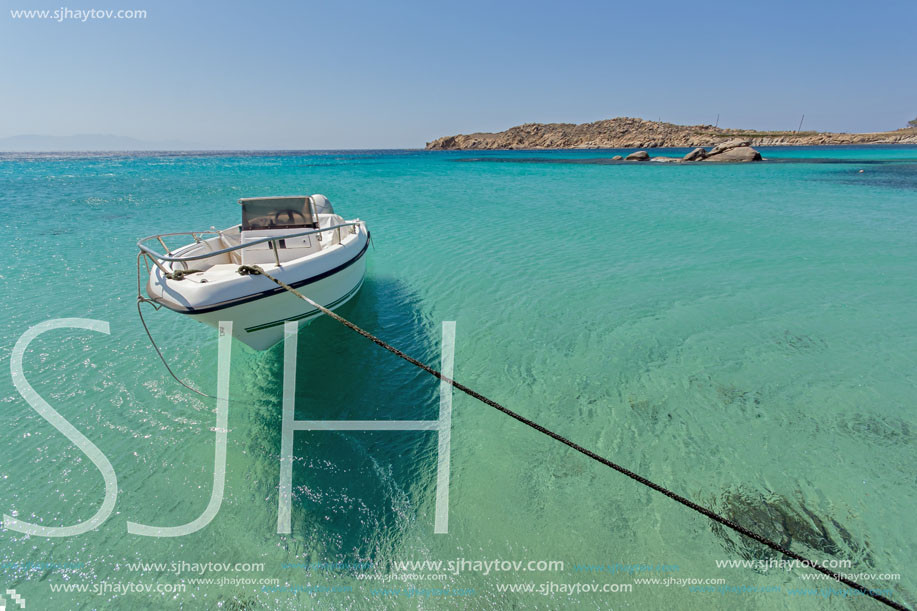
[{"x": 155, "y": 255}]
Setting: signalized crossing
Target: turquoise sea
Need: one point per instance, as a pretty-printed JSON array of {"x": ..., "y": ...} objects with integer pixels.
[{"x": 742, "y": 334}]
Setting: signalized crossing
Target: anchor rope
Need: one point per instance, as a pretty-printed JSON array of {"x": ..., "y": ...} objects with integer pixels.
[
  {"x": 140, "y": 301},
  {"x": 256, "y": 270}
]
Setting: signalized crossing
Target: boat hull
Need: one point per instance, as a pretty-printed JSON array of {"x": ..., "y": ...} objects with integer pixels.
[{"x": 259, "y": 323}]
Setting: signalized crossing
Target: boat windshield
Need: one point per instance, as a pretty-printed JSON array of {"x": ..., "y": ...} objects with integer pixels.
[{"x": 277, "y": 213}]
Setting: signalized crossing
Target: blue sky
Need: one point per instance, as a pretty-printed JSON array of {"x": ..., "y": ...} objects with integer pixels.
[{"x": 386, "y": 74}]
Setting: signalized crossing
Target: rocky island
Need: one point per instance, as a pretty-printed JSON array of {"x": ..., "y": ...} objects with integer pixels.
[{"x": 627, "y": 132}]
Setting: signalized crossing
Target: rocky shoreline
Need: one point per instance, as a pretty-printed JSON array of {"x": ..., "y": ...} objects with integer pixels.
[{"x": 626, "y": 132}]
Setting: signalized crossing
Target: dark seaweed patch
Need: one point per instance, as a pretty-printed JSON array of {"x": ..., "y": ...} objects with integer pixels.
[
  {"x": 793, "y": 525},
  {"x": 237, "y": 602},
  {"x": 798, "y": 342},
  {"x": 737, "y": 398},
  {"x": 892, "y": 175},
  {"x": 890, "y": 429}
]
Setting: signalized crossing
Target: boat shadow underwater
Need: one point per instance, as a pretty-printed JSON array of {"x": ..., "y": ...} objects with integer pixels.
[{"x": 353, "y": 492}]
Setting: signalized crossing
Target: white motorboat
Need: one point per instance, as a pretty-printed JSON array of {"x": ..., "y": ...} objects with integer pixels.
[{"x": 298, "y": 240}]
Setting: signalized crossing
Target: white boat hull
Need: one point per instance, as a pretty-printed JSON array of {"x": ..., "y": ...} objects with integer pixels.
[{"x": 259, "y": 323}]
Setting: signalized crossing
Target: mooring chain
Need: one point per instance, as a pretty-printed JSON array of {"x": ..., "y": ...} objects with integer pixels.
[{"x": 256, "y": 270}]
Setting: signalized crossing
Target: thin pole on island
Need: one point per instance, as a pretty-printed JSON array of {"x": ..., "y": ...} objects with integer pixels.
[
  {"x": 799, "y": 129},
  {"x": 717, "y": 124}
]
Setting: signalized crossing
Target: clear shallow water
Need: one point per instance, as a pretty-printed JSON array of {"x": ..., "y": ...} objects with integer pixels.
[{"x": 737, "y": 333}]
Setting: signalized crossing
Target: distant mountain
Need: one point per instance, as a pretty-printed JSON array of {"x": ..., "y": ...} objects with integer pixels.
[
  {"x": 626, "y": 132},
  {"x": 33, "y": 143}
]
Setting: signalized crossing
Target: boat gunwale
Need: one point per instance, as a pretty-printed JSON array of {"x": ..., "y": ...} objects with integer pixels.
[{"x": 194, "y": 234}]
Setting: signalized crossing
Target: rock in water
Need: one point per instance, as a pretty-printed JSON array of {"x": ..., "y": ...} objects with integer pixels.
[
  {"x": 638, "y": 156},
  {"x": 729, "y": 144},
  {"x": 741, "y": 153},
  {"x": 619, "y": 158},
  {"x": 695, "y": 155}
]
